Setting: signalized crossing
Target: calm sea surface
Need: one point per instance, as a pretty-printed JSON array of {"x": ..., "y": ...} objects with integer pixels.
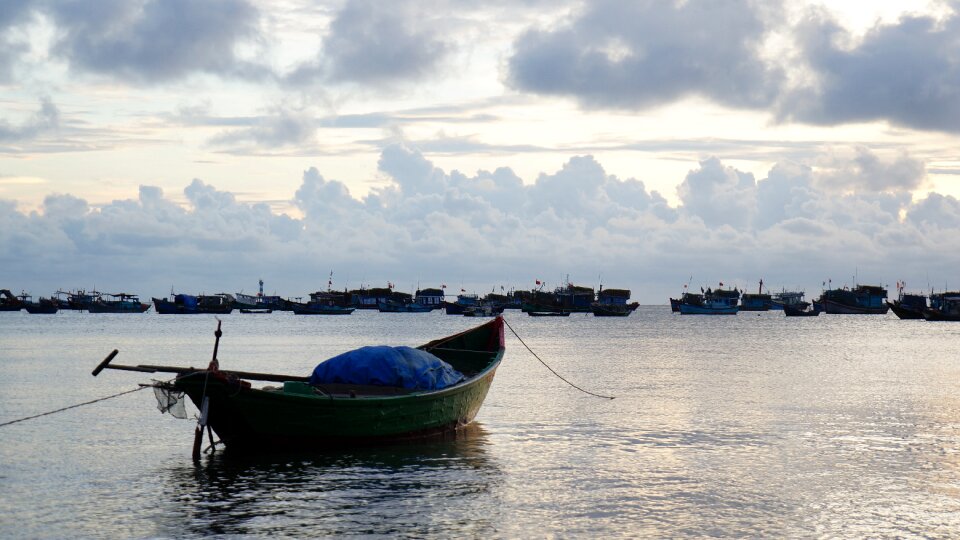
[{"x": 753, "y": 425}]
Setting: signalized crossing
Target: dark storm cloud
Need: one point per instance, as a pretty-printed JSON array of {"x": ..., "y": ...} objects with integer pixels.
[
  {"x": 377, "y": 43},
  {"x": 156, "y": 40},
  {"x": 907, "y": 73},
  {"x": 642, "y": 54}
]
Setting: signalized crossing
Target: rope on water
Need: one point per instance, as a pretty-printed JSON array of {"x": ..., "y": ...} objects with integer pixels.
[
  {"x": 74, "y": 406},
  {"x": 550, "y": 368}
]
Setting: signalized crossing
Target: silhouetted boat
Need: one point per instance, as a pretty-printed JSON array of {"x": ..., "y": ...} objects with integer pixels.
[
  {"x": 120, "y": 303},
  {"x": 178, "y": 304},
  {"x": 943, "y": 307},
  {"x": 758, "y": 301},
  {"x": 909, "y": 306},
  {"x": 9, "y": 302},
  {"x": 43, "y": 306},
  {"x": 861, "y": 300},
  {"x": 320, "y": 309},
  {"x": 712, "y": 302}
]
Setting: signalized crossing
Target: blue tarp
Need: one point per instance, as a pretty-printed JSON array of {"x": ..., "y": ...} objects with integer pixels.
[{"x": 381, "y": 365}]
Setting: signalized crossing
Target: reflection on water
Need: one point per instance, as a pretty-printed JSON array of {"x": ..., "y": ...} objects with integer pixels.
[{"x": 430, "y": 488}]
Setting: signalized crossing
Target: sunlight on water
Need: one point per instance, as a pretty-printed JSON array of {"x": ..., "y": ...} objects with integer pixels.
[{"x": 752, "y": 425}]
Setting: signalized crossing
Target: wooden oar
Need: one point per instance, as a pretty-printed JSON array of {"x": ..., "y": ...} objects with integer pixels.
[{"x": 270, "y": 377}]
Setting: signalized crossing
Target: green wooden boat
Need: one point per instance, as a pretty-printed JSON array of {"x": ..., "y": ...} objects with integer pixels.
[{"x": 298, "y": 416}]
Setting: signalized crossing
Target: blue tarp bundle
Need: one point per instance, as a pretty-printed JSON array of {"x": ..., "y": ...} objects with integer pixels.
[{"x": 381, "y": 365}]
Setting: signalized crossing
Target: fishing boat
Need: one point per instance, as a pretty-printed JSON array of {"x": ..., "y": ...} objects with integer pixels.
[
  {"x": 712, "y": 302},
  {"x": 118, "y": 303},
  {"x": 9, "y": 302},
  {"x": 690, "y": 298},
  {"x": 943, "y": 307},
  {"x": 759, "y": 301},
  {"x": 256, "y": 311},
  {"x": 861, "y": 300},
  {"x": 219, "y": 303},
  {"x": 463, "y": 302},
  {"x": 43, "y": 306},
  {"x": 300, "y": 416},
  {"x": 613, "y": 303},
  {"x": 178, "y": 304},
  {"x": 786, "y": 298},
  {"x": 908, "y": 306}
]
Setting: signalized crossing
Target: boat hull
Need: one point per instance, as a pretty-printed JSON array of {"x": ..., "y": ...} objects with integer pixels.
[
  {"x": 260, "y": 420},
  {"x": 835, "y": 308},
  {"x": 300, "y": 416},
  {"x": 905, "y": 312},
  {"x": 688, "y": 309}
]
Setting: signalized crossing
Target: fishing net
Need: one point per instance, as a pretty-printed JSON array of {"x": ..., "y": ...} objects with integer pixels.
[{"x": 170, "y": 401}]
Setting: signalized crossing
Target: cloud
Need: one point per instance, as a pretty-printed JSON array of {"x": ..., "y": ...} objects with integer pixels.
[
  {"x": 156, "y": 40},
  {"x": 636, "y": 55},
  {"x": 284, "y": 127},
  {"x": 377, "y": 44},
  {"x": 907, "y": 73},
  {"x": 13, "y": 13},
  {"x": 45, "y": 120},
  {"x": 490, "y": 227}
]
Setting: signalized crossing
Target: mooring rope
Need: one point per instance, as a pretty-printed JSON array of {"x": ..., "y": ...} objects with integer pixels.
[
  {"x": 74, "y": 406},
  {"x": 550, "y": 368}
]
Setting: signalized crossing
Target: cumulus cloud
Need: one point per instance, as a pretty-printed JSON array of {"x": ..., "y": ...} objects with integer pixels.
[
  {"x": 489, "y": 228},
  {"x": 283, "y": 127},
  {"x": 641, "y": 54},
  {"x": 156, "y": 40},
  {"x": 45, "y": 120},
  {"x": 907, "y": 73},
  {"x": 376, "y": 43}
]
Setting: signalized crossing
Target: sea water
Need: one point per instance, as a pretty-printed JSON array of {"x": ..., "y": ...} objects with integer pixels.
[{"x": 750, "y": 425}]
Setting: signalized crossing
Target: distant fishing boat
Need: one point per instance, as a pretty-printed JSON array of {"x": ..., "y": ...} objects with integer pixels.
[
  {"x": 943, "y": 307},
  {"x": 347, "y": 409},
  {"x": 463, "y": 302},
  {"x": 9, "y": 302},
  {"x": 43, "y": 306},
  {"x": 119, "y": 303},
  {"x": 688, "y": 297},
  {"x": 758, "y": 301},
  {"x": 713, "y": 302},
  {"x": 861, "y": 300},
  {"x": 219, "y": 303},
  {"x": 178, "y": 304},
  {"x": 260, "y": 301},
  {"x": 909, "y": 306},
  {"x": 613, "y": 303},
  {"x": 786, "y": 298}
]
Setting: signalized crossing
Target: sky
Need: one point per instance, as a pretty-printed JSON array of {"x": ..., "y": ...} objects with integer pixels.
[{"x": 157, "y": 145}]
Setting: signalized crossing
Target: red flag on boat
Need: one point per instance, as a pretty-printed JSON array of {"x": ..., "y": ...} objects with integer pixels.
[
  {"x": 538, "y": 282},
  {"x": 443, "y": 286}
]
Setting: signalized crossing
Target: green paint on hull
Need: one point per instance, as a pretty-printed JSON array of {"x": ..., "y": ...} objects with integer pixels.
[{"x": 300, "y": 416}]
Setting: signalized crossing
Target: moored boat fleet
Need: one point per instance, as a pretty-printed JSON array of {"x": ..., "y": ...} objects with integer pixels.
[
  {"x": 561, "y": 301},
  {"x": 858, "y": 300}
]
